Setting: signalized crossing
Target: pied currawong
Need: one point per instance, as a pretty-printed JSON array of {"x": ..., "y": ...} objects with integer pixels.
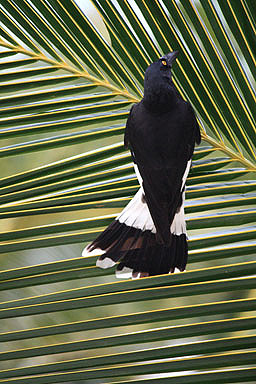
[{"x": 149, "y": 236}]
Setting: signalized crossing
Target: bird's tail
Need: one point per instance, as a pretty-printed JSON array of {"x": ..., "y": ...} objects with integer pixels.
[{"x": 130, "y": 241}]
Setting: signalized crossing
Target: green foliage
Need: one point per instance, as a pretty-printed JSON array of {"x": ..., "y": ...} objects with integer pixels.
[{"x": 68, "y": 87}]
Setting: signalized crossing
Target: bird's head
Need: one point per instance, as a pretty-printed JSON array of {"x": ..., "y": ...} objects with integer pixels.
[
  {"x": 161, "y": 69},
  {"x": 158, "y": 85},
  {"x": 168, "y": 60}
]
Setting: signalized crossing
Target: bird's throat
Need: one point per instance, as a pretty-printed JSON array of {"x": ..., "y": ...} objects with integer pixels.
[{"x": 160, "y": 99}]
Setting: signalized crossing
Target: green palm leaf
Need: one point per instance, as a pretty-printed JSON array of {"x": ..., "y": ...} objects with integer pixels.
[{"x": 67, "y": 84}]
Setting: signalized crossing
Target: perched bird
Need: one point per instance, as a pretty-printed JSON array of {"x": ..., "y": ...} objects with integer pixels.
[{"x": 149, "y": 235}]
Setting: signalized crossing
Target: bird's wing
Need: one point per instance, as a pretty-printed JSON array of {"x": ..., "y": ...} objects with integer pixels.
[
  {"x": 194, "y": 134},
  {"x": 163, "y": 194},
  {"x": 128, "y": 128}
]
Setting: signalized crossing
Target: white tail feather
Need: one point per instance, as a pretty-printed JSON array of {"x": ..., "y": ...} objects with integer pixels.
[{"x": 136, "y": 214}]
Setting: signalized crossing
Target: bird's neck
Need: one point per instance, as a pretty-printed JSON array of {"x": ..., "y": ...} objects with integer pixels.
[{"x": 161, "y": 97}]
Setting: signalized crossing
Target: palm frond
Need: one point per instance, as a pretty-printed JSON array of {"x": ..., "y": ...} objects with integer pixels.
[{"x": 68, "y": 86}]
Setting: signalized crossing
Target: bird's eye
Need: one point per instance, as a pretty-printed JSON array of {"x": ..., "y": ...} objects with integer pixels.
[{"x": 164, "y": 62}]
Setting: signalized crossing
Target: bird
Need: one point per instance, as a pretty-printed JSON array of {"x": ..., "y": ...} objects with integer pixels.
[{"x": 149, "y": 237}]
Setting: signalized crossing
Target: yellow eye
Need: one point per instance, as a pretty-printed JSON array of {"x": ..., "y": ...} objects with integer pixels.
[{"x": 164, "y": 62}]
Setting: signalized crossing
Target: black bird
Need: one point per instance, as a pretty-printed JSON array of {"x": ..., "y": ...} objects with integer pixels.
[{"x": 149, "y": 236}]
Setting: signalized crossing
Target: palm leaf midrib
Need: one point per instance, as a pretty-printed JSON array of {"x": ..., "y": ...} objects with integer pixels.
[{"x": 131, "y": 98}]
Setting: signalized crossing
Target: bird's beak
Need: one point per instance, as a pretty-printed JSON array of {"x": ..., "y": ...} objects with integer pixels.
[{"x": 170, "y": 57}]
